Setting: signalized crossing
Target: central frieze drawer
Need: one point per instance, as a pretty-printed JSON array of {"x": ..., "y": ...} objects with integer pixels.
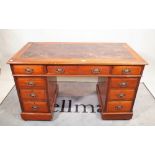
[{"x": 78, "y": 70}]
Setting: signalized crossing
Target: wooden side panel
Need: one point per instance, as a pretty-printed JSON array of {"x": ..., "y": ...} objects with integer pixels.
[
  {"x": 52, "y": 91},
  {"x": 102, "y": 92}
]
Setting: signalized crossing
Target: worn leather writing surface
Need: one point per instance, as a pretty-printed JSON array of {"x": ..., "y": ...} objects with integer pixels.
[
  {"x": 77, "y": 53},
  {"x": 62, "y": 50}
]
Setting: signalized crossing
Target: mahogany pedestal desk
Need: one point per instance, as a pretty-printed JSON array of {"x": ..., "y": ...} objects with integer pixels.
[{"x": 37, "y": 65}]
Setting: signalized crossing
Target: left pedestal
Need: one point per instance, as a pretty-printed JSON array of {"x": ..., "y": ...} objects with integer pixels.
[{"x": 37, "y": 94}]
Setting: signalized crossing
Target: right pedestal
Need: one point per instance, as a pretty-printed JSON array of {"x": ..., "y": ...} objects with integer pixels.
[{"x": 116, "y": 97}]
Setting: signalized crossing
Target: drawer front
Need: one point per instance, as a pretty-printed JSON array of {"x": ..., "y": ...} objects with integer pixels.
[
  {"x": 28, "y": 69},
  {"x": 35, "y": 95},
  {"x": 31, "y": 82},
  {"x": 127, "y": 70},
  {"x": 78, "y": 70},
  {"x": 121, "y": 94},
  {"x": 119, "y": 106},
  {"x": 35, "y": 107},
  {"x": 124, "y": 82}
]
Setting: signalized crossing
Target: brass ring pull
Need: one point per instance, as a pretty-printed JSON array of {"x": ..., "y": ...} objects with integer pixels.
[
  {"x": 34, "y": 107},
  {"x": 118, "y": 107},
  {"x": 126, "y": 71},
  {"x": 59, "y": 70},
  {"x": 30, "y": 83},
  {"x": 32, "y": 95},
  {"x": 96, "y": 71},
  {"x": 121, "y": 95},
  {"x": 123, "y": 84},
  {"x": 29, "y": 70}
]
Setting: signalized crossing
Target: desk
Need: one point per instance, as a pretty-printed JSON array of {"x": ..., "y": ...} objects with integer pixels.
[{"x": 38, "y": 64}]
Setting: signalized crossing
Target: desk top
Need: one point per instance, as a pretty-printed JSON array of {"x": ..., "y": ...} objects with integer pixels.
[{"x": 77, "y": 53}]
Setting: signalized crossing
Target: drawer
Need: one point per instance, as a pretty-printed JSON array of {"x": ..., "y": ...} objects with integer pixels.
[
  {"x": 78, "y": 70},
  {"x": 34, "y": 94},
  {"x": 119, "y": 106},
  {"x": 35, "y": 107},
  {"x": 121, "y": 94},
  {"x": 31, "y": 82},
  {"x": 124, "y": 83},
  {"x": 28, "y": 69},
  {"x": 127, "y": 70}
]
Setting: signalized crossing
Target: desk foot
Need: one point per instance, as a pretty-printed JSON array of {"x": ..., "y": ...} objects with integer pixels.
[
  {"x": 117, "y": 116},
  {"x": 36, "y": 116}
]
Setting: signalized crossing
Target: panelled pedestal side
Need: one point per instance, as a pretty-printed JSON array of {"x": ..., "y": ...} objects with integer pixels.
[{"x": 34, "y": 90}]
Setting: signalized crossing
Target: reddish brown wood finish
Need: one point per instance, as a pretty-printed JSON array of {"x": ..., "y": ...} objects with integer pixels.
[
  {"x": 120, "y": 94},
  {"x": 101, "y": 88},
  {"x": 111, "y": 115},
  {"x": 36, "y": 66},
  {"x": 124, "y": 83},
  {"x": 119, "y": 106},
  {"x": 30, "y": 106},
  {"x": 132, "y": 70},
  {"x": 33, "y": 94},
  {"x": 36, "y": 116},
  {"x": 31, "y": 82},
  {"x": 28, "y": 69},
  {"x": 78, "y": 70},
  {"x": 117, "y": 116}
]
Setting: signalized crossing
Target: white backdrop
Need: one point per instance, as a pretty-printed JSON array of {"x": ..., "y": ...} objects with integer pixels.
[
  {"x": 143, "y": 41},
  {"x": 75, "y": 14}
]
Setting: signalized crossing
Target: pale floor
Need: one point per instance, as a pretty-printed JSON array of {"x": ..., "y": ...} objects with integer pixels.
[
  {"x": 144, "y": 108},
  {"x": 6, "y": 81}
]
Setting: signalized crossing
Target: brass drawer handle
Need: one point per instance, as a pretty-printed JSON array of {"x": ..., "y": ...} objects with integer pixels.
[
  {"x": 32, "y": 95},
  {"x": 59, "y": 70},
  {"x": 126, "y": 71},
  {"x": 30, "y": 83},
  {"x": 96, "y": 71},
  {"x": 123, "y": 84},
  {"x": 118, "y": 107},
  {"x": 121, "y": 95},
  {"x": 29, "y": 70},
  {"x": 34, "y": 107}
]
